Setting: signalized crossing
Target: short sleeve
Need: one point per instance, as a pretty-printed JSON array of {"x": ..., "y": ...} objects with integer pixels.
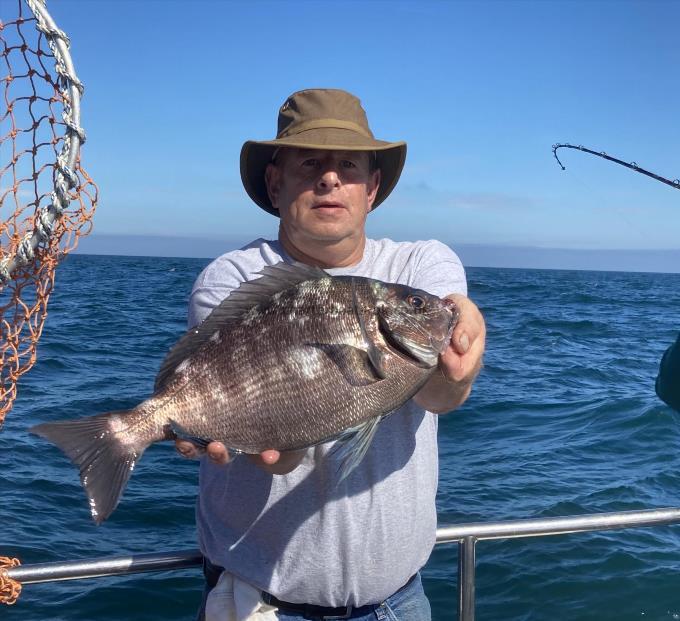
[
  {"x": 438, "y": 270},
  {"x": 214, "y": 284}
]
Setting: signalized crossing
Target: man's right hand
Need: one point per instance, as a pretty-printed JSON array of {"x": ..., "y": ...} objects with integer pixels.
[{"x": 272, "y": 461}]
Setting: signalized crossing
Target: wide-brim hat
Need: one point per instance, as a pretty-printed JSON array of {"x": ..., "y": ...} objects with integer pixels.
[{"x": 320, "y": 119}]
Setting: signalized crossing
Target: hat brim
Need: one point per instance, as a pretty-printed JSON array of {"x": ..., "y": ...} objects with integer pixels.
[{"x": 255, "y": 155}]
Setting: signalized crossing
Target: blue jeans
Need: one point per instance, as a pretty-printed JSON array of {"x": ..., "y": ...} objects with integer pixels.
[{"x": 407, "y": 604}]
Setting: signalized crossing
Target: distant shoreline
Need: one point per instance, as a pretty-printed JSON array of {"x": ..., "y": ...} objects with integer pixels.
[{"x": 472, "y": 255}]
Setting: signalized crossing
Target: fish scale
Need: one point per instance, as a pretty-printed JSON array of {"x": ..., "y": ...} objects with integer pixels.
[{"x": 287, "y": 361}]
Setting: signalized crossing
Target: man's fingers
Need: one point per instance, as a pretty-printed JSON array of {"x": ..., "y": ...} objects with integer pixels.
[
  {"x": 462, "y": 360},
  {"x": 186, "y": 449},
  {"x": 462, "y": 342},
  {"x": 470, "y": 327},
  {"x": 452, "y": 365},
  {"x": 276, "y": 462},
  {"x": 270, "y": 457},
  {"x": 219, "y": 454},
  {"x": 216, "y": 451}
]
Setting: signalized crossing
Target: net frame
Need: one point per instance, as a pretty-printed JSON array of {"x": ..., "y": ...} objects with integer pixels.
[
  {"x": 36, "y": 243},
  {"x": 65, "y": 178}
]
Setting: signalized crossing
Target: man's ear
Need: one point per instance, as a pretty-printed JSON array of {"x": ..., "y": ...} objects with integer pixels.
[
  {"x": 272, "y": 179},
  {"x": 372, "y": 187}
]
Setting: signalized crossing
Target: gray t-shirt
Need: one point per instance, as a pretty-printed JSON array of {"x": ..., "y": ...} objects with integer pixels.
[{"x": 301, "y": 536}]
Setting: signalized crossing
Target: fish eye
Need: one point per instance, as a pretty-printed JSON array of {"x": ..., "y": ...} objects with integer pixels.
[{"x": 416, "y": 301}]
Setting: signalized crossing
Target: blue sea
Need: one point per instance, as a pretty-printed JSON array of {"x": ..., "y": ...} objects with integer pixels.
[{"x": 562, "y": 421}]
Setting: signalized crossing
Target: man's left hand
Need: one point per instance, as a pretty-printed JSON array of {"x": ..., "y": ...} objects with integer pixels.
[
  {"x": 459, "y": 363},
  {"x": 462, "y": 359}
]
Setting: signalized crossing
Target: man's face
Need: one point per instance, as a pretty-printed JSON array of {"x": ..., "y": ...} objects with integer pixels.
[{"x": 322, "y": 196}]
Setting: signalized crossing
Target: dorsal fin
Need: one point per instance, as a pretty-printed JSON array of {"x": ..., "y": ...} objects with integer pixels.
[{"x": 274, "y": 278}]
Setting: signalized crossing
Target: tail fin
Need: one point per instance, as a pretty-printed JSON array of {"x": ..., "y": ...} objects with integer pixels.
[{"x": 104, "y": 453}]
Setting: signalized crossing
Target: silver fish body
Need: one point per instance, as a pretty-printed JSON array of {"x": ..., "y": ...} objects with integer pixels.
[{"x": 287, "y": 361}]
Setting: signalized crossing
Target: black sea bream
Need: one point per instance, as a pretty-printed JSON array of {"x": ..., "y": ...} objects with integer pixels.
[{"x": 289, "y": 360}]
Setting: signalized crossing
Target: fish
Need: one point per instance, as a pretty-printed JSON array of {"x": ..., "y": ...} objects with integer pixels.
[{"x": 289, "y": 360}]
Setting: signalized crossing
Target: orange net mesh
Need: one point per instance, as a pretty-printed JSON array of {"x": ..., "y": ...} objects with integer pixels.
[
  {"x": 45, "y": 206},
  {"x": 9, "y": 589}
]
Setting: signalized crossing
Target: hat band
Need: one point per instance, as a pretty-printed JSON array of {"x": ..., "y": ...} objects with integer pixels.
[{"x": 298, "y": 128}]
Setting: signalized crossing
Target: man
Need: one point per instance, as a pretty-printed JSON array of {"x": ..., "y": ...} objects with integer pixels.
[
  {"x": 668, "y": 380},
  {"x": 282, "y": 522}
]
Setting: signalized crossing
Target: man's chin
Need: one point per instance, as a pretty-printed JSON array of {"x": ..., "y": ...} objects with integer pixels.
[
  {"x": 326, "y": 229},
  {"x": 325, "y": 235},
  {"x": 329, "y": 239}
]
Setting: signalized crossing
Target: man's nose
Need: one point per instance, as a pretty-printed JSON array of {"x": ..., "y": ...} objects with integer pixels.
[{"x": 329, "y": 178}]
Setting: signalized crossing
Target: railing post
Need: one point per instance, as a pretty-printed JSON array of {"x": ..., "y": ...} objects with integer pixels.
[{"x": 466, "y": 579}]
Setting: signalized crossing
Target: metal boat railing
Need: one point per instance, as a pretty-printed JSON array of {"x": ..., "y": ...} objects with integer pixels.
[{"x": 466, "y": 535}]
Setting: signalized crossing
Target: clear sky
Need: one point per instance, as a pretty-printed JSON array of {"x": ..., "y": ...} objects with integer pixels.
[{"x": 479, "y": 90}]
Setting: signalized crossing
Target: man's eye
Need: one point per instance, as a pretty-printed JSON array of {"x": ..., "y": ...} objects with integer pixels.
[
  {"x": 310, "y": 162},
  {"x": 348, "y": 164}
]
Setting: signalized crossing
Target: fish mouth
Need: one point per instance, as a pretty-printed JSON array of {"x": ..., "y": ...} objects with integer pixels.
[
  {"x": 424, "y": 356},
  {"x": 398, "y": 346},
  {"x": 452, "y": 307}
]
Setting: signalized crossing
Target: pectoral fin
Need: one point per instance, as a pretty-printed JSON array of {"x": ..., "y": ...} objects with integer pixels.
[
  {"x": 352, "y": 445},
  {"x": 355, "y": 364}
]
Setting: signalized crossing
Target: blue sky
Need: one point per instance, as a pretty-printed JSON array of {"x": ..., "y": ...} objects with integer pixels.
[{"x": 479, "y": 90}]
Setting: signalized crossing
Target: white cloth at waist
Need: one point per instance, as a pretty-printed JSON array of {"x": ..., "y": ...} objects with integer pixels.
[{"x": 232, "y": 599}]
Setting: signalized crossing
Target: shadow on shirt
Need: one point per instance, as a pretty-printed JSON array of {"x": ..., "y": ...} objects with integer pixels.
[{"x": 249, "y": 521}]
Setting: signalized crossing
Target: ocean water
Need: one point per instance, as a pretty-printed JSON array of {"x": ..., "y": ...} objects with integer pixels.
[{"x": 562, "y": 421}]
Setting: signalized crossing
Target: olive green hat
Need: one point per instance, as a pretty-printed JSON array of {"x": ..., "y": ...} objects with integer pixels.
[{"x": 320, "y": 118}]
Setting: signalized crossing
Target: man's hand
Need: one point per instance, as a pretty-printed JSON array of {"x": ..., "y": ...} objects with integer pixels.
[
  {"x": 272, "y": 461},
  {"x": 462, "y": 359},
  {"x": 459, "y": 363}
]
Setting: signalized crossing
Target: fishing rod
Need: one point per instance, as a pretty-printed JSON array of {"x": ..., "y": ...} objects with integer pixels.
[{"x": 675, "y": 183}]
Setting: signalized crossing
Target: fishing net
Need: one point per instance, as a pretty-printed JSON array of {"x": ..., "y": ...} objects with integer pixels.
[
  {"x": 47, "y": 200},
  {"x": 9, "y": 589}
]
